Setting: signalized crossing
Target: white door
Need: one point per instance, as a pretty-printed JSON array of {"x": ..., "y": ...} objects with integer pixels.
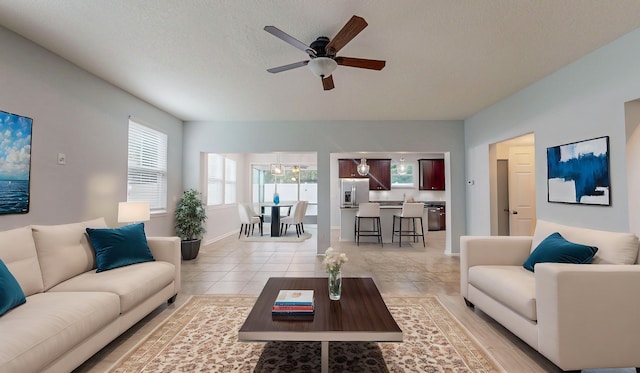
[{"x": 522, "y": 190}]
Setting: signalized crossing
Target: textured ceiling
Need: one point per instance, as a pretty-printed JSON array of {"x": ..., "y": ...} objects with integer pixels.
[{"x": 207, "y": 60}]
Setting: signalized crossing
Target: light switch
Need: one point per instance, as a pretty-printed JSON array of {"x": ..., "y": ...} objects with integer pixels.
[{"x": 62, "y": 159}]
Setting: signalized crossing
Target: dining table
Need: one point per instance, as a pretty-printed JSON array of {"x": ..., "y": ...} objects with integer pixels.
[{"x": 275, "y": 215}]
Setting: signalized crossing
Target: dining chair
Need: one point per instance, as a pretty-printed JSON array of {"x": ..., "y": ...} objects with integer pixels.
[
  {"x": 295, "y": 218},
  {"x": 248, "y": 219}
]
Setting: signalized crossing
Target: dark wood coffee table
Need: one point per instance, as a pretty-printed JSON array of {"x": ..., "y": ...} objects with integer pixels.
[{"x": 360, "y": 315}]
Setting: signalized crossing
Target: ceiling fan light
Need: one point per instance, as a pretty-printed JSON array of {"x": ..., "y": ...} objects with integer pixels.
[
  {"x": 363, "y": 168},
  {"x": 322, "y": 66}
]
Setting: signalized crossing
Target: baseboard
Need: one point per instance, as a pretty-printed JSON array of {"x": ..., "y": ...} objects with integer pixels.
[{"x": 216, "y": 239}]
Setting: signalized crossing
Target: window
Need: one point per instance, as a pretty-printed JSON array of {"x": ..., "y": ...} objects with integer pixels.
[
  {"x": 147, "y": 166},
  {"x": 298, "y": 185},
  {"x": 221, "y": 180},
  {"x": 229, "y": 181},
  {"x": 402, "y": 181}
]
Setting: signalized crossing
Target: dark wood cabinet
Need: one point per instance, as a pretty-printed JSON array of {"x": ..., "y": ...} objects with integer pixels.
[
  {"x": 431, "y": 174},
  {"x": 379, "y": 174},
  {"x": 348, "y": 168}
]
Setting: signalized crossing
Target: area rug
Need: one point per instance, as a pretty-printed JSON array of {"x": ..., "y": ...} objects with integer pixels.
[
  {"x": 290, "y": 237},
  {"x": 202, "y": 336}
]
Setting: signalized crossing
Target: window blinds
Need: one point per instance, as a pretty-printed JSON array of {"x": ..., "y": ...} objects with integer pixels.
[{"x": 147, "y": 167}]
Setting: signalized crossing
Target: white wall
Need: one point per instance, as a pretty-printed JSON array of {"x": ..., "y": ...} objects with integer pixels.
[
  {"x": 86, "y": 118},
  {"x": 325, "y": 138},
  {"x": 581, "y": 101}
]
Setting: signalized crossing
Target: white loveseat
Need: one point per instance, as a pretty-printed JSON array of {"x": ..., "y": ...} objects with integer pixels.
[
  {"x": 71, "y": 312},
  {"x": 579, "y": 316}
]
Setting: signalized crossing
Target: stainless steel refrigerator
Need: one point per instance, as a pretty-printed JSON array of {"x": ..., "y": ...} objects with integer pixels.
[{"x": 353, "y": 192}]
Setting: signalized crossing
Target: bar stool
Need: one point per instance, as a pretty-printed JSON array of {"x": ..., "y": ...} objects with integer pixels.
[
  {"x": 410, "y": 211},
  {"x": 368, "y": 211}
]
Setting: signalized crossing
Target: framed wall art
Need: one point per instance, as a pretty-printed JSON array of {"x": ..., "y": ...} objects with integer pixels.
[
  {"x": 579, "y": 172},
  {"x": 15, "y": 163}
]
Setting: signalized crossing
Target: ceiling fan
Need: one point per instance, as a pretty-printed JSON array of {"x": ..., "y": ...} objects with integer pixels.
[{"x": 322, "y": 52}]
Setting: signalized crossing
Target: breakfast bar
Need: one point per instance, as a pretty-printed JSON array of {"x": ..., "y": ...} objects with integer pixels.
[{"x": 387, "y": 210}]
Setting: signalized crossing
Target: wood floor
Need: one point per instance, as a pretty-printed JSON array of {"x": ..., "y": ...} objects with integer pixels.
[{"x": 231, "y": 266}]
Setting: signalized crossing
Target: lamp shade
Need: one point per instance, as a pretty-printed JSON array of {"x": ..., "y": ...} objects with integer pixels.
[
  {"x": 322, "y": 66},
  {"x": 129, "y": 212}
]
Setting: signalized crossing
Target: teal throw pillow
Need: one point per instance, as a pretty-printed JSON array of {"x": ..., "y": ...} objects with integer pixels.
[
  {"x": 556, "y": 249},
  {"x": 119, "y": 247},
  {"x": 11, "y": 294}
]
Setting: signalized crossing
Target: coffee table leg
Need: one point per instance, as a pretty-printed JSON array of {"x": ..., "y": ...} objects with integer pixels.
[{"x": 324, "y": 356}]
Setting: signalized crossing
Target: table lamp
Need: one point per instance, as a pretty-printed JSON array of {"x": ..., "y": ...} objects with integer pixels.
[{"x": 133, "y": 212}]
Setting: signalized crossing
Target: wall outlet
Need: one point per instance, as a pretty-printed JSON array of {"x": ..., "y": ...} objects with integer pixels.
[{"x": 62, "y": 158}]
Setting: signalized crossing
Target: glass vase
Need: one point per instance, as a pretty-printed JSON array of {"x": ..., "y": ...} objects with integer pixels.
[
  {"x": 335, "y": 285},
  {"x": 276, "y": 198}
]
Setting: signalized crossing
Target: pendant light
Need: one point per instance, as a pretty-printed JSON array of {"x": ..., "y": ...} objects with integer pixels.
[
  {"x": 363, "y": 167},
  {"x": 276, "y": 168},
  {"x": 402, "y": 167}
]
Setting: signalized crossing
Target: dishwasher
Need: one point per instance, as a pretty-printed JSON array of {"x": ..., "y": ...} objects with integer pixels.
[{"x": 434, "y": 217}]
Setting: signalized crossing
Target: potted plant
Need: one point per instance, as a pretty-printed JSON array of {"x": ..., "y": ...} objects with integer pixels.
[{"x": 190, "y": 216}]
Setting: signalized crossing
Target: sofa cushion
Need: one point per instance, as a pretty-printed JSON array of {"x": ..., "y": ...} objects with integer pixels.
[
  {"x": 64, "y": 250},
  {"x": 11, "y": 294},
  {"x": 133, "y": 284},
  {"x": 49, "y": 325},
  {"x": 513, "y": 286},
  {"x": 18, "y": 251},
  {"x": 613, "y": 247},
  {"x": 119, "y": 247},
  {"x": 555, "y": 249}
]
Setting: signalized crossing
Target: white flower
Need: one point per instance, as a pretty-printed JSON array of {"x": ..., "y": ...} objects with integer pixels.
[{"x": 333, "y": 261}]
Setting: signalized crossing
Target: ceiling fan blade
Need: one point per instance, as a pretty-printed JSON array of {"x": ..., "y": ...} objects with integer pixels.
[
  {"x": 327, "y": 83},
  {"x": 348, "y": 32},
  {"x": 290, "y": 40},
  {"x": 290, "y": 66},
  {"x": 361, "y": 63}
]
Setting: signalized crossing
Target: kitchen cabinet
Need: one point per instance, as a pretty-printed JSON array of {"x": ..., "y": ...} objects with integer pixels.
[
  {"x": 379, "y": 174},
  {"x": 348, "y": 168},
  {"x": 431, "y": 174}
]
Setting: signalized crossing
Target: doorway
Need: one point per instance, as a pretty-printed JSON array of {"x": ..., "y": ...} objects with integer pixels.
[
  {"x": 503, "y": 196},
  {"x": 632, "y": 119},
  {"x": 512, "y": 179}
]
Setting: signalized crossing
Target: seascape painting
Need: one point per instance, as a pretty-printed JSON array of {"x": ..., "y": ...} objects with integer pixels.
[
  {"x": 15, "y": 163},
  {"x": 579, "y": 172}
]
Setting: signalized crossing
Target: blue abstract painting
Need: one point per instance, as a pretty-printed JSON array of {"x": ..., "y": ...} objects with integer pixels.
[
  {"x": 579, "y": 172},
  {"x": 15, "y": 163}
]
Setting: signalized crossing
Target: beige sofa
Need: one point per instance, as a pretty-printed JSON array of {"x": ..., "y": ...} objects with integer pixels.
[
  {"x": 71, "y": 311},
  {"x": 579, "y": 316}
]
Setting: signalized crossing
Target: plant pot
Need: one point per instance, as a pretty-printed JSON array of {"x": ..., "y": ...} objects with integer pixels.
[{"x": 190, "y": 249}]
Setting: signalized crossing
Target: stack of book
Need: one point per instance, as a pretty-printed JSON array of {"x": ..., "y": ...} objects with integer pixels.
[{"x": 293, "y": 305}]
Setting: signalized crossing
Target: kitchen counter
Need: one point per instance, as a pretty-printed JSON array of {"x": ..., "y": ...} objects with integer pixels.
[
  {"x": 399, "y": 203},
  {"x": 387, "y": 210}
]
